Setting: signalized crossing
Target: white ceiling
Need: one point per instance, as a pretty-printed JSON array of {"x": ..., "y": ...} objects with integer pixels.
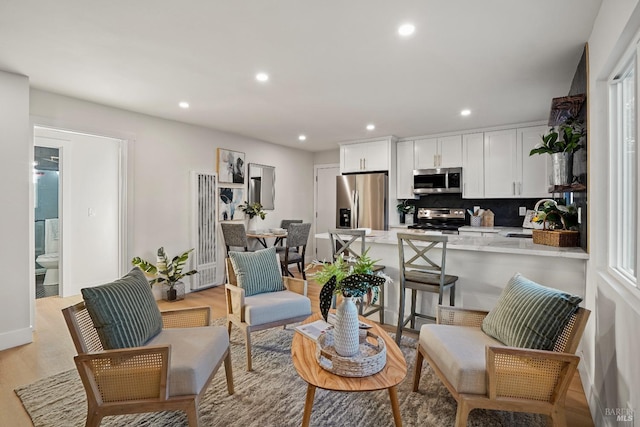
[{"x": 334, "y": 65}]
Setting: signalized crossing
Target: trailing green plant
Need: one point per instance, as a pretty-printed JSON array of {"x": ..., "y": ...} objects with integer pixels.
[
  {"x": 166, "y": 271},
  {"x": 567, "y": 139},
  {"x": 253, "y": 209},
  {"x": 405, "y": 207}
]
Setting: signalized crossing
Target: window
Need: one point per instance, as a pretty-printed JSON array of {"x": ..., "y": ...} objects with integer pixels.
[{"x": 624, "y": 166}]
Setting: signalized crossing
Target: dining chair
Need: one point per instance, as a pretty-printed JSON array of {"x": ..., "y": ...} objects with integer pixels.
[
  {"x": 351, "y": 243},
  {"x": 420, "y": 270},
  {"x": 284, "y": 224},
  {"x": 235, "y": 236},
  {"x": 295, "y": 249}
]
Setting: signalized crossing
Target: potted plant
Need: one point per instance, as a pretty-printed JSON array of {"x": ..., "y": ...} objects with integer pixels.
[
  {"x": 352, "y": 281},
  {"x": 168, "y": 273},
  {"x": 253, "y": 210},
  {"x": 561, "y": 145},
  {"x": 560, "y": 224},
  {"x": 404, "y": 208}
]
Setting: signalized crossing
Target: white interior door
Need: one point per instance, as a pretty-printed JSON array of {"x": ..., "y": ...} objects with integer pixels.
[{"x": 325, "y": 206}]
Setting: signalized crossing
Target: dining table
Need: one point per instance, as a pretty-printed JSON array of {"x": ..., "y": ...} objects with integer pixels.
[{"x": 262, "y": 235}]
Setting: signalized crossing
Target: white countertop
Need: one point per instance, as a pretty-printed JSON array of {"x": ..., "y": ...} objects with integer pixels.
[{"x": 496, "y": 242}]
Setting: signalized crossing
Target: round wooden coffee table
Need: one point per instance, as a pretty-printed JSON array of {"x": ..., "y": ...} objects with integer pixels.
[{"x": 303, "y": 352}]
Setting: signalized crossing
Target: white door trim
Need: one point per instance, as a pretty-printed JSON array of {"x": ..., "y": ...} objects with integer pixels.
[{"x": 316, "y": 168}]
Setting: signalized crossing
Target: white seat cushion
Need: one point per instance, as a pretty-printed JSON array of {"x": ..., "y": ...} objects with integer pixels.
[
  {"x": 194, "y": 354},
  {"x": 274, "y": 306},
  {"x": 459, "y": 352}
]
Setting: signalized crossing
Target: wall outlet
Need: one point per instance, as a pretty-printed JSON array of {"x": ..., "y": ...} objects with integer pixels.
[{"x": 522, "y": 210}]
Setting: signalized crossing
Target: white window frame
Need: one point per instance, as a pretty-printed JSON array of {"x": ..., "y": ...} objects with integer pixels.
[{"x": 619, "y": 223}]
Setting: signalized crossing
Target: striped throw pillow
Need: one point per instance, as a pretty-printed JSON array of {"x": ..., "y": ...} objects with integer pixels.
[
  {"x": 530, "y": 315},
  {"x": 124, "y": 312},
  {"x": 257, "y": 272}
]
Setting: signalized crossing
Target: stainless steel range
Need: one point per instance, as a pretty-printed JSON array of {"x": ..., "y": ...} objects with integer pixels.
[{"x": 447, "y": 220}]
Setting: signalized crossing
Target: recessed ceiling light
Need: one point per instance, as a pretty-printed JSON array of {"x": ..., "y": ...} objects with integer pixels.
[
  {"x": 371, "y": 126},
  {"x": 183, "y": 104},
  {"x": 302, "y": 137},
  {"x": 405, "y": 30},
  {"x": 465, "y": 112},
  {"x": 262, "y": 77}
]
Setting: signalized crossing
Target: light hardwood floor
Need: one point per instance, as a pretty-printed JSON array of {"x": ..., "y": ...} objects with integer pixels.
[{"x": 52, "y": 352}]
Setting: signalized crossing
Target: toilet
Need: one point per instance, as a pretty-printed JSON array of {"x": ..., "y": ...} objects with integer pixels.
[{"x": 49, "y": 260}]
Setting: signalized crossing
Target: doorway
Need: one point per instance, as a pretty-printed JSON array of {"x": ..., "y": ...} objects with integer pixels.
[
  {"x": 325, "y": 191},
  {"x": 46, "y": 212},
  {"x": 89, "y": 230}
]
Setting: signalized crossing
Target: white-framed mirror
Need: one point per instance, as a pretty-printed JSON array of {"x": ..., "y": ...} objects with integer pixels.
[{"x": 262, "y": 185}]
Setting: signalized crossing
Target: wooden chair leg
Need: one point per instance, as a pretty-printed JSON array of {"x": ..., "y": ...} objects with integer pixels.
[
  {"x": 417, "y": 372},
  {"x": 462, "y": 414},
  {"x": 381, "y": 302},
  {"x": 414, "y": 294},
  {"x": 452, "y": 295},
  {"x": 229, "y": 327},
  {"x": 192, "y": 414},
  {"x": 229, "y": 373},
  {"x": 93, "y": 419},
  {"x": 400, "y": 316},
  {"x": 558, "y": 417},
  {"x": 247, "y": 337}
]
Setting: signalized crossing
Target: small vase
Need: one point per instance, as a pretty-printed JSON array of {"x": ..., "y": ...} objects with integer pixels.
[
  {"x": 562, "y": 168},
  {"x": 173, "y": 293},
  {"x": 402, "y": 217},
  {"x": 347, "y": 332}
]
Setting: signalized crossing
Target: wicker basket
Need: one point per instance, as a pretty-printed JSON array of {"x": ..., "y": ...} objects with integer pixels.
[
  {"x": 369, "y": 360},
  {"x": 558, "y": 238}
]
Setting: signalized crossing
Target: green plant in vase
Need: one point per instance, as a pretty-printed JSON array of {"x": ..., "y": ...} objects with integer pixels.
[
  {"x": 348, "y": 279},
  {"x": 404, "y": 208}
]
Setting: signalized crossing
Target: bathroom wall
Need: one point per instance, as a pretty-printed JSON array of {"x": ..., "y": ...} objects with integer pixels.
[{"x": 46, "y": 204}]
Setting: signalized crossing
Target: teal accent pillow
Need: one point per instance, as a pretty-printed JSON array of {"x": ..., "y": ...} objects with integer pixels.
[
  {"x": 529, "y": 315},
  {"x": 124, "y": 312},
  {"x": 257, "y": 272}
]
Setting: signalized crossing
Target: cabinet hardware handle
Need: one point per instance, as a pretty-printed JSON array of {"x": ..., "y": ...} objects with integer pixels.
[{"x": 514, "y": 188}]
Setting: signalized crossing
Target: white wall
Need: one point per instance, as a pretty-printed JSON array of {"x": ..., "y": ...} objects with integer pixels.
[
  {"x": 16, "y": 256},
  {"x": 327, "y": 157},
  {"x": 161, "y": 155},
  {"x": 609, "y": 368}
]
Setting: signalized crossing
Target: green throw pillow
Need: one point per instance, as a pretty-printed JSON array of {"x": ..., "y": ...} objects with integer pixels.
[
  {"x": 257, "y": 272},
  {"x": 529, "y": 315},
  {"x": 124, "y": 312}
]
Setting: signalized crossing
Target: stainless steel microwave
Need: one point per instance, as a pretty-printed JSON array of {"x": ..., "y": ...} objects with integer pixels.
[{"x": 433, "y": 181}]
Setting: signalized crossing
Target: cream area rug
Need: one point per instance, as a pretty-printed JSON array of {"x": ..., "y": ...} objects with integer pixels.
[{"x": 272, "y": 395}]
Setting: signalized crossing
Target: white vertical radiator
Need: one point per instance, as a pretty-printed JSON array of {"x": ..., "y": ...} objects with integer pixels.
[{"x": 204, "y": 225}]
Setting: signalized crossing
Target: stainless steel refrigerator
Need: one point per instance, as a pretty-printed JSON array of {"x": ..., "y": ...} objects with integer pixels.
[{"x": 362, "y": 201}]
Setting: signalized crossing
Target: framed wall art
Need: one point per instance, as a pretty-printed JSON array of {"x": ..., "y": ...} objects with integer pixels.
[
  {"x": 231, "y": 166},
  {"x": 228, "y": 201}
]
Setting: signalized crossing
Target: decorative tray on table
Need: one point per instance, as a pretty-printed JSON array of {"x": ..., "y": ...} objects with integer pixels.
[{"x": 370, "y": 359}]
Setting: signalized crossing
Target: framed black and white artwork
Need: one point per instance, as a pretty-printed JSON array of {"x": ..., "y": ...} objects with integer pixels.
[
  {"x": 231, "y": 166},
  {"x": 229, "y": 199}
]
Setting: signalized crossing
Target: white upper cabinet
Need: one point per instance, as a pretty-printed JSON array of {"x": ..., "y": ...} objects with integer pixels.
[
  {"x": 368, "y": 156},
  {"x": 443, "y": 152},
  {"x": 404, "y": 170},
  {"x": 500, "y": 164},
  {"x": 509, "y": 171},
  {"x": 535, "y": 169},
  {"x": 473, "y": 166}
]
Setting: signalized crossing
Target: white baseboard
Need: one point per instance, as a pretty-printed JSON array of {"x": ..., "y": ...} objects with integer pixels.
[
  {"x": 597, "y": 414},
  {"x": 15, "y": 338}
]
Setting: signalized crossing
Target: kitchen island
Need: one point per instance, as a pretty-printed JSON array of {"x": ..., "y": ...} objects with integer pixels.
[{"x": 484, "y": 264}]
